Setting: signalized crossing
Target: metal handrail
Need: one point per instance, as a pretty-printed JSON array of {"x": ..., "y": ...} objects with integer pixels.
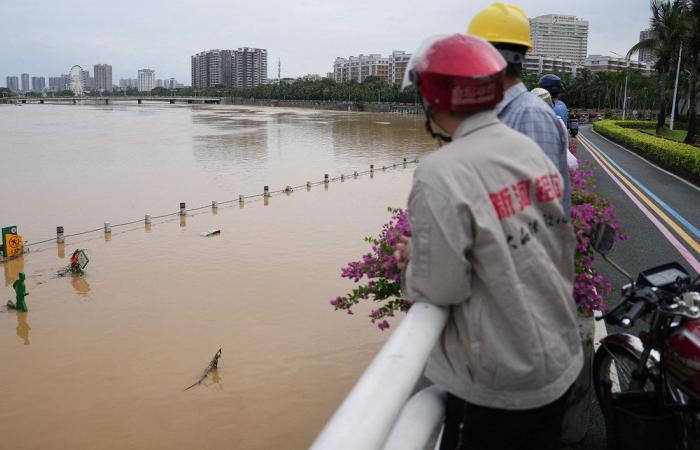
[
  {"x": 419, "y": 419},
  {"x": 369, "y": 412}
]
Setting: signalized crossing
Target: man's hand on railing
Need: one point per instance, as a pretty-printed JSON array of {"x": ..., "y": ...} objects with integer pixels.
[{"x": 401, "y": 253}]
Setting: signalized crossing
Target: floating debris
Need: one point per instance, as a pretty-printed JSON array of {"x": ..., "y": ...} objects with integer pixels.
[
  {"x": 210, "y": 232},
  {"x": 212, "y": 365}
]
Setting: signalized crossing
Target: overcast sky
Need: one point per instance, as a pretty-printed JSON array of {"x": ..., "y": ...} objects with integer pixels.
[{"x": 47, "y": 37}]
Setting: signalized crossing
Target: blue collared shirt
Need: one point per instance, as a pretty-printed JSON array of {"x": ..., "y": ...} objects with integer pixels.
[
  {"x": 562, "y": 111},
  {"x": 529, "y": 115}
]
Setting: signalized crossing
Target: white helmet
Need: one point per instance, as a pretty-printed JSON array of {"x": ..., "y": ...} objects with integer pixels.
[{"x": 543, "y": 94}]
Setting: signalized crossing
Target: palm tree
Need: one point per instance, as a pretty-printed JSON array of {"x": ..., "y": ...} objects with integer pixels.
[
  {"x": 668, "y": 26},
  {"x": 692, "y": 44}
]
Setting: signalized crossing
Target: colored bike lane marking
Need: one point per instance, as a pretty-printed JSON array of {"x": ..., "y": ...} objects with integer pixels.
[
  {"x": 692, "y": 228},
  {"x": 685, "y": 253},
  {"x": 677, "y": 228}
]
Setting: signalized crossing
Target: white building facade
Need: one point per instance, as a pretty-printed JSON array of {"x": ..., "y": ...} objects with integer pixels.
[
  {"x": 146, "y": 80},
  {"x": 601, "y": 63},
  {"x": 358, "y": 68},
  {"x": 546, "y": 64},
  {"x": 560, "y": 36}
]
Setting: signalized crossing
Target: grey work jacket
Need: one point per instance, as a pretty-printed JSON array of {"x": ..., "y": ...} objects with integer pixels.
[{"x": 490, "y": 240}]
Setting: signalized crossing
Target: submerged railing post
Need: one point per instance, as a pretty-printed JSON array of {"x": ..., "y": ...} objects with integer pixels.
[
  {"x": 183, "y": 210},
  {"x": 59, "y": 235}
]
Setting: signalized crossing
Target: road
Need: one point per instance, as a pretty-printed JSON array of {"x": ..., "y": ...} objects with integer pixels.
[{"x": 659, "y": 211}]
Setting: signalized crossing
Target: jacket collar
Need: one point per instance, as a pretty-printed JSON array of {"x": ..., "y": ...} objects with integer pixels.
[
  {"x": 472, "y": 123},
  {"x": 511, "y": 94}
]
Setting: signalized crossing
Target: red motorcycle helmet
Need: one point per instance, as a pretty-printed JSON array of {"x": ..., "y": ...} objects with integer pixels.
[{"x": 458, "y": 72}]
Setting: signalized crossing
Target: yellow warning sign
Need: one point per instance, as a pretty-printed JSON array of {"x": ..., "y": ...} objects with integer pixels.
[{"x": 13, "y": 243}]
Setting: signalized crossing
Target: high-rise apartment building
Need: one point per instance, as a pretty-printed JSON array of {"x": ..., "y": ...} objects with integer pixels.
[
  {"x": 12, "y": 83},
  {"x": 212, "y": 68},
  {"x": 357, "y": 68},
  {"x": 249, "y": 67},
  {"x": 245, "y": 67},
  {"x": 560, "y": 36},
  {"x": 54, "y": 84},
  {"x": 398, "y": 61},
  {"x": 38, "y": 84},
  {"x": 103, "y": 77},
  {"x": 646, "y": 55},
  {"x": 61, "y": 83},
  {"x": 146, "y": 80},
  {"x": 25, "y": 82},
  {"x": 87, "y": 79},
  {"x": 126, "y": 83},
  {"x": 170, "y": 83}
]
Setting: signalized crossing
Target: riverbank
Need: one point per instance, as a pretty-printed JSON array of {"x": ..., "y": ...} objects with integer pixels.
[{"x": 329, "y": 105}]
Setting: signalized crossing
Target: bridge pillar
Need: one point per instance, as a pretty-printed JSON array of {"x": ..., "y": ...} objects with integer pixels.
[
  {"x": 106, "y": 101},
  {"x": 139, "y": 100},
  {"x": 172, "y": 102},
  {"x": 75, "y": 101},
  {"x": 24, "y": 101},
  {"x": 41, "y": 102},
  {"x": 189, "y": 101}
]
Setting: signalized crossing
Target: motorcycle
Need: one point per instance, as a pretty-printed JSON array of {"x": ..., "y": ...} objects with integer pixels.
[
  {"x": 573, "y": 127},
  {"x": 648, "y": 386}
]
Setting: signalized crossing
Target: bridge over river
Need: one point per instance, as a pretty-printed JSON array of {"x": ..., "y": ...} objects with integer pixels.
[{"x": 107, "y": 100}]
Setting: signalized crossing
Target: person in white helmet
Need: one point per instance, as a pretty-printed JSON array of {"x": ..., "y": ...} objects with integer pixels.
[{"x": 544, "y": 94}]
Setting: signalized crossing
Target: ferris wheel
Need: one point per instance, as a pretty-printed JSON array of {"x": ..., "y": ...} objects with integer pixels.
[{"x": 76, "y": 80}]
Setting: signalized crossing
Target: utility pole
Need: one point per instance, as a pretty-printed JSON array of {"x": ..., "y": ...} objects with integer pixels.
[{"x": 675, "y": 89}]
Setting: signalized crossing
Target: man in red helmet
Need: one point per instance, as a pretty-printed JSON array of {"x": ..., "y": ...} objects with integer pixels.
[{"x": 490, "y": 240}]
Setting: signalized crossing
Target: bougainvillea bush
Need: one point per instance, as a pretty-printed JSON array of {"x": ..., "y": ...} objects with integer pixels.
[
  {"x": 378, "y": 276},
  {"x": 378, "y": 273},
  {"x": 588, "y": 208}
]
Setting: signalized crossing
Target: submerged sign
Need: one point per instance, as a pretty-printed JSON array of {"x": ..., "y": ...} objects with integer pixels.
[{"x": 11, "y": 242}]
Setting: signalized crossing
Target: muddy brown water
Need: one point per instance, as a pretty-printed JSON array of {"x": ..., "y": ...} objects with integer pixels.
[{"x": 101, "y": 361}]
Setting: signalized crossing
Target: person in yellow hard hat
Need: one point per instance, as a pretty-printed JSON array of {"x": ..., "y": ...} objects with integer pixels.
[{"x": 507, "y": 27}]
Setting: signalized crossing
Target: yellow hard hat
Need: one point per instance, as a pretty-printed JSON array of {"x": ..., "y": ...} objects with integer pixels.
[{"x": 502, "y": 23}]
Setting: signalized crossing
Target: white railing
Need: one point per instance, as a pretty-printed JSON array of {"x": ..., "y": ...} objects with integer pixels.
[{"x": 376, "y": 414}]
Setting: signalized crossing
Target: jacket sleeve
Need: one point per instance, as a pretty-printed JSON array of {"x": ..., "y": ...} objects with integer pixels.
[{"x": 438, "y": 271}]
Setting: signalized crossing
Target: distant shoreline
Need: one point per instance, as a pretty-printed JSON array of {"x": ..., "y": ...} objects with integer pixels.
[{"x": 330, "y": 105}]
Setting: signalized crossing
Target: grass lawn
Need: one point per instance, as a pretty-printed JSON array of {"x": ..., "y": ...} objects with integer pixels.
[{"x": 673, "y": 135}]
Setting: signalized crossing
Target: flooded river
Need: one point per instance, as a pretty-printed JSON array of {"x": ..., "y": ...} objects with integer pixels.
[{"x": 101, "y": 361}]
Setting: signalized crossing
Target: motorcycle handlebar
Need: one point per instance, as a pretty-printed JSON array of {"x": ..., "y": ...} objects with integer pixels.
[{"x": 633, "y": 314}]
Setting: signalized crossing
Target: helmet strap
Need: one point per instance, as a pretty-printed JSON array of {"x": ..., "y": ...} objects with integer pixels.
[{"x": 429, "y": 126}]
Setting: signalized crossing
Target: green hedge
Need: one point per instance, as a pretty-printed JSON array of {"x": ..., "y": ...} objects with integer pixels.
[
  {"x": 635, "y": 123},
  {"x": 682, "y": 159}
]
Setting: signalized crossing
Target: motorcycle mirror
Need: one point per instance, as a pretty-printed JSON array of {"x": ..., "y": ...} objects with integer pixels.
[{"x": 602, "y": 238}]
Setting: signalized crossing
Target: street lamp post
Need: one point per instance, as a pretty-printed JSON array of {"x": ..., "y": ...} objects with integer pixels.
[{"x": 627, "y": 75}]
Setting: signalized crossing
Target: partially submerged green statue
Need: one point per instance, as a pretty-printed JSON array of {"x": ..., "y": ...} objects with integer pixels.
[{"x": 20, "y": 293}]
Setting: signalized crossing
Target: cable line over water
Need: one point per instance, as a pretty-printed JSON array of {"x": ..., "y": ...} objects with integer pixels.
[{"x": 60, "y": 237}]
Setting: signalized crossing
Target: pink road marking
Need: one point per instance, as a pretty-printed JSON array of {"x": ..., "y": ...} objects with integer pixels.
[{"x": 667, "y": 234}]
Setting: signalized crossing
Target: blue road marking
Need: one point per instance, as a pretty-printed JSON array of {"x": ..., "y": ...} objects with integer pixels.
[{"x": 660, "y": 202}]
